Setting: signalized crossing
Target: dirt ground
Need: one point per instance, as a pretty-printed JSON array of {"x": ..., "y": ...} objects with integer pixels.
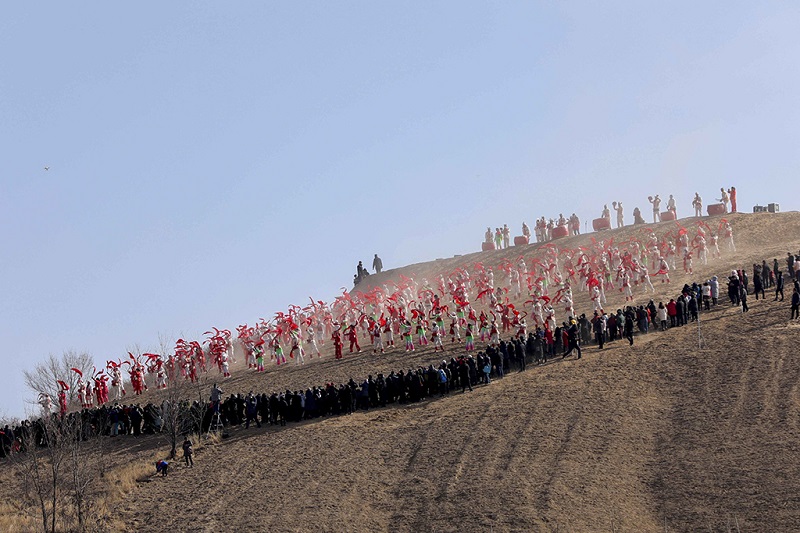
[{"x": 692, "y": 429}]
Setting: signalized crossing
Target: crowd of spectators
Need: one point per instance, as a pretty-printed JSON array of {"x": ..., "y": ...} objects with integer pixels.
[{"x": 418, "y": 384}]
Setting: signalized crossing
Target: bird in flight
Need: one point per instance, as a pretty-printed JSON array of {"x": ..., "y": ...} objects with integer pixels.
[{"x": 47, "y": 168}]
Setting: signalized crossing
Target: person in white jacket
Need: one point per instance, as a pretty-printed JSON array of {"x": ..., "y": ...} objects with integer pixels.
[
  {"x": 661, "y": 315},
  {"x": 714, "y": 289}
]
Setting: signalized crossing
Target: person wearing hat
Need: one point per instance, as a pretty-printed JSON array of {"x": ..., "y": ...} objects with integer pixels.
[
  {"x": 572, "y": 339},
  {"x": 377, "y": 340},
  {"x": 351, "y": 335}
]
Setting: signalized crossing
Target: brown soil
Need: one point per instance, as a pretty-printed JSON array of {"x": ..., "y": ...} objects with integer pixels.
[{"x": 663, "y": 436}]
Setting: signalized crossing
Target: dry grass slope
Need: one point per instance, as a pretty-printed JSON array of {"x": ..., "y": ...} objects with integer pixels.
[{"x": 661, "y": 436}]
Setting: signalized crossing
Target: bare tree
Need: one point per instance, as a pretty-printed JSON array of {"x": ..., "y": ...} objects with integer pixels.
[
  {"x": 179, "y": 414},
  {"x": 83, "y": 454},
  {"x": 44, "y": 376},
  {"x": 6, "y": 420},
  {"x": 59, "y": 471},
  {"x": 42, "y": 466},
  {"x": 174, "y": 412}
]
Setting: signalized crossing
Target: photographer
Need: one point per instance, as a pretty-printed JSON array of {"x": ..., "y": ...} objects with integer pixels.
[{"x": 216, "y": 398}]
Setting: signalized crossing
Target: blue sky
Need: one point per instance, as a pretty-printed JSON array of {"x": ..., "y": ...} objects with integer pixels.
[{"x": 211, "y": 162}]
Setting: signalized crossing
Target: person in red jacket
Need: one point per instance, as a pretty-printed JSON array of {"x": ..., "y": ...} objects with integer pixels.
[
  {"x": 732, "y": 197},
  {"x": 672, "y": 311},
  {"x": 548, "y": 336}
]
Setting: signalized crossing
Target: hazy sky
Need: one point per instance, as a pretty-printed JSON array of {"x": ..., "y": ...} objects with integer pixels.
[{"x": 212, "y": 162}]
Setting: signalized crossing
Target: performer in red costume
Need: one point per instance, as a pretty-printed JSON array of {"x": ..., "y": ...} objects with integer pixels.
[
  {"x": 62, "y": 398},
  {"x": 337, "y": 343},
  {"x": 352, "y": 335}
]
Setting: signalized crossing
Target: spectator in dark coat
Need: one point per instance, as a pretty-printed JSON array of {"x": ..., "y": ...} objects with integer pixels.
[
  {"x": 629, "y": 326},
  {"x": 778, "y": 285},
  {"x": 758, "y": 285}
]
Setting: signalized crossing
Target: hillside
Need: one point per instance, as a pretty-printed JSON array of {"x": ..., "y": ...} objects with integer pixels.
[{"x": 664, "y": 435}]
